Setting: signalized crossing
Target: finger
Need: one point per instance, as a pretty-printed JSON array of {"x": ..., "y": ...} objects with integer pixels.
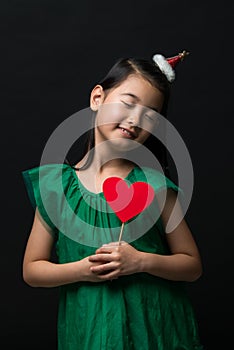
[
  {"x": 100, "y": 258},
  {"x": 122, "y": 243},
  {"x": 103, "y": 269},
  {"x": 106, "y": 249},
  {"x": 114, "y": 244},
  {"x": 111, "y": 244}
]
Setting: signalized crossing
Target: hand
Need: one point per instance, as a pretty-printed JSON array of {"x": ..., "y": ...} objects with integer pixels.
[
  {"x": 116, "y": 260},
  {"x": 91, "y": 276}
]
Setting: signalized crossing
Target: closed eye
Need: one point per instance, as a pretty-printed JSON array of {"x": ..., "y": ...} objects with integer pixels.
[
  {"x": 128, "y": 105},
  {"x": 149, "y": 117}
]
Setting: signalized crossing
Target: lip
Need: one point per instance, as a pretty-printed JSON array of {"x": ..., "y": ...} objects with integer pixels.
[{"x": 131, "y": 134}]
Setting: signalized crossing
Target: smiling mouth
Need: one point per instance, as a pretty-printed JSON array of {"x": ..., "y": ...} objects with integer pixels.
[{"x": 127, "y": 133}]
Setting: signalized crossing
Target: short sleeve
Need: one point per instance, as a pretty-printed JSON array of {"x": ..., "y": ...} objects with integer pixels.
[
  {"x": 159, "y": 181},
  {"x": 37, "y": 180},
  {"x": 170, "y": 184}
]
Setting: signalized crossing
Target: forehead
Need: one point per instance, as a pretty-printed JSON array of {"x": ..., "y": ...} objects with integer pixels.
[{"x": 136, "y": 82}]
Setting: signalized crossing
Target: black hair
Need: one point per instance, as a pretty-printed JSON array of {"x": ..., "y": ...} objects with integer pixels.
[{"x": 123, "y": 68}]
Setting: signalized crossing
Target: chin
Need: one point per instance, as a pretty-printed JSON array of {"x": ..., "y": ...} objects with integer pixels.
[{"x": 123, "y": 145}]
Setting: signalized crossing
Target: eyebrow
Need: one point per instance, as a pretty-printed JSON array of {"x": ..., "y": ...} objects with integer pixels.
[{"x": 137, "y": 99}]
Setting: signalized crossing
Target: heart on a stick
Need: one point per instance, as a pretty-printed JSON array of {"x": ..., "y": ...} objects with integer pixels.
[{"x": 127, "y": 201}]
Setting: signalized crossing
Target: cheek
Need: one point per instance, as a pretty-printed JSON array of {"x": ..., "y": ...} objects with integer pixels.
[
  {"x": 110, "y": 113},
  {"x": 103, "y": 132},
  {"x": 144, "y": 136}
]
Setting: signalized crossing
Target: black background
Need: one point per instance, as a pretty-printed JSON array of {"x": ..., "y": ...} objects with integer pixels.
[{"x": 53, "y": 53}]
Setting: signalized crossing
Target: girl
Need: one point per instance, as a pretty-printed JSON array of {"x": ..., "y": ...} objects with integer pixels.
[{"x": 115, "y": 296}]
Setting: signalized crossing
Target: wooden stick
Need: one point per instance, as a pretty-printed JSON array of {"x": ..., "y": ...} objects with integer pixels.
[{"x": 121, "y": 232}]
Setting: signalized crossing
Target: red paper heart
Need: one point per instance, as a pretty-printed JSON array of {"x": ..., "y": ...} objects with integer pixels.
[{"x": 127, "y": 201}]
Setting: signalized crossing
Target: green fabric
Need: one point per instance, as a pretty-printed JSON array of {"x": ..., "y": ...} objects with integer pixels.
[{"x": 136, "y": 312}]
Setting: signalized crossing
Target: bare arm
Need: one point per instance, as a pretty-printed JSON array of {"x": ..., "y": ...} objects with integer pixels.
[
  {"x": 183, "y": 264},
  {"x": 39, "y": 271}
]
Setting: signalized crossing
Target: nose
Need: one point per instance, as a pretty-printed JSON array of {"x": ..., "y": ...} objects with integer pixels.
[
  {"x": 131, "y": 120},
  {"x": 134, "y": 118}
]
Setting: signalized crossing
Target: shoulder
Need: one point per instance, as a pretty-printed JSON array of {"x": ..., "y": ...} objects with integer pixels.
[
  {"x": 48, "y": 186},
  {"x": 50, "y": 181},
  {"x": 49, "y": 174},
  {"x": 156, "y": 179},
  {"x": 48, "y": 169}
]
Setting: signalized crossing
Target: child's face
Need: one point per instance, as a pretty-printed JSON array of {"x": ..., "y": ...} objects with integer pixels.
[{"x": 127, "y": 112}]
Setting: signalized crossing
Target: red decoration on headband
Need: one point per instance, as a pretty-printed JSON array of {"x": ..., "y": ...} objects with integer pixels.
[
  {"x": 173, "y": 61},
  {"x": 167, "y": 65},
  {"x": 126, "y": 201}
]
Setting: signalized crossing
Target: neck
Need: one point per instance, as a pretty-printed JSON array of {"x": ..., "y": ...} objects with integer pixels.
[
  {"x": 105, "y": 157},
  {"x": 106, "y": 162}
]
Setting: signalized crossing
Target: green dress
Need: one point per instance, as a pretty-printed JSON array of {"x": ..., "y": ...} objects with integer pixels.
[{"x": 135, "y": 312}]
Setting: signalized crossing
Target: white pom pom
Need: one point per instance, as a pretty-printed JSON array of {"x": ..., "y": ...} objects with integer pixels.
[{"x": 164, "y": 66}]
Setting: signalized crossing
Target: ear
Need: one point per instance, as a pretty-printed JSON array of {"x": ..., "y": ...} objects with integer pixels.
[{"x": 96, "y": 97}]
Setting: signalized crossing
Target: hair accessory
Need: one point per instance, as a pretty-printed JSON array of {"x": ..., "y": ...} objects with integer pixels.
[{"x": 167, "y": 65}]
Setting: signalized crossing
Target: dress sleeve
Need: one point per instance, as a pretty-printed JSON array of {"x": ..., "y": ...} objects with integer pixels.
[
  {"x": 170, "y": 184},
  {"x": 159, "y": 181},
  {"x": 37, "y": 181}
]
